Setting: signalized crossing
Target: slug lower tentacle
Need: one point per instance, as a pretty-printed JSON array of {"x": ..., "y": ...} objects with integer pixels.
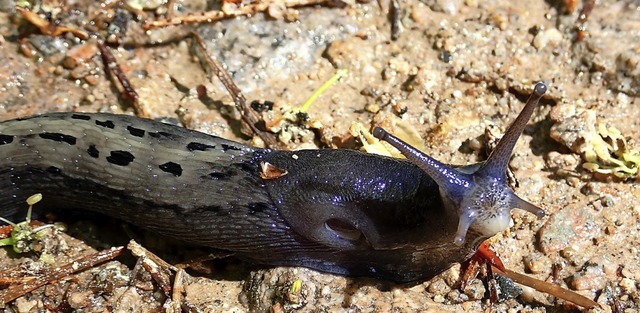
[{"x": 338, "y": 211}]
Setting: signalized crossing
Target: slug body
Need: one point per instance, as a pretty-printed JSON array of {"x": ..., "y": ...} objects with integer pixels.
[{"x": 338, "y": 211}]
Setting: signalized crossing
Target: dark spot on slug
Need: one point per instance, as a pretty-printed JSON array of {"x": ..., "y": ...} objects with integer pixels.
[
  {"x": 161, "y": 135},
  {"x": 257, "y": 207},
  {"x": 171, "y": 167},
  {"x": 120, "y": 157},
  {"x": 93, "y": 152},
  {"x": 193, "y": 146},
  {"x": 214, "y": 208},
  {"x": 5, "y": 139},
  {"x": 135, "y": 131},
  {"x": 107, "y": 124},
  {"x": 246, "y": 167},
  {"x": 181, "y": 210},
  {"x": 59, "y": 137},
  {"x": 218, "y": 175},
  {"x": 54, "y": 170},
  {"x": 222, "y": 175},
  {"x": 80, "y": 117},
  {"x": 228, "y": 147}
]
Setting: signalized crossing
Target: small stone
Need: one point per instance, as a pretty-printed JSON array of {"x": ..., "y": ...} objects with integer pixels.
[
  {"x": 590, "y": 278},
  {"x": 91, "y": 80},
  {"x": 549, "y": 37},
  {"x": 24, "y": 305},
  {"x": 573, "y": 181},
  {"x": 607, "y": 201},
  {"x": 628, "y": 285},
  {"x": 537, "y": 263},
  {"x": 572, "y": 225},
  {"x": 58, "y": 70},
  {"x": 610, "y": 268},
  {"x": 475, "y": 290},
  {"x": 79, "y": 300},
  {"x": 79, "y": 55},
  {"x": 438, "y": 287},
  {"x": 630, "y": 271},
  {"x": 471, "y": 3},
  {"x": 455, "y": 296},
  {"x": 372, "y": 108},
  {"x": 452, "y": 276}
]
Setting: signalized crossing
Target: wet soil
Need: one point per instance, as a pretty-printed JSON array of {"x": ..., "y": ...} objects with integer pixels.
[{"x": 456, "y": 68}]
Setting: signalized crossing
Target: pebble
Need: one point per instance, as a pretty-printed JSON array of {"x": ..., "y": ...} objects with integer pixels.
[
  {"x": 549, "y": 37},
  {"x": 590, "y": 278},
  {"x": 628, "y": 285},
  {"x": 79, "y": 300},
  {"x": 537, "y": 263},
  {"x": 567, "y": 227},
  {"x": 438, "y": 286}
]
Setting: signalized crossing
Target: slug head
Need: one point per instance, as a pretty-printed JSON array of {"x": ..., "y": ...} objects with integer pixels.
[{"x": 479, "y": 192}]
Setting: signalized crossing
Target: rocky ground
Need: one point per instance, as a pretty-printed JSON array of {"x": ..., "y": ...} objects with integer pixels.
[{"x": 455, "y": 69}]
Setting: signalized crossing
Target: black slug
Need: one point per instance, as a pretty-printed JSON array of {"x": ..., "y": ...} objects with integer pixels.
[{"x": 338, "y": 211}]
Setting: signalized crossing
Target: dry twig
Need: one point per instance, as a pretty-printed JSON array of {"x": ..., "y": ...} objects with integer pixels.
[
  {"x": 249, "y": 116},
  {"x": 229, "y": 12},
  {"x": 129, "y": 93},
  {"x": 47, "y": 28},
  {"x": 18, "y": 290}
]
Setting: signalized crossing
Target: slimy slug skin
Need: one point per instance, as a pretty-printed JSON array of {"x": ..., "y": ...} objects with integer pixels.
[{"x": 339, "y": 211}]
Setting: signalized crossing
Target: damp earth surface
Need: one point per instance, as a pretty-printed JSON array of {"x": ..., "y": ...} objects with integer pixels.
[{"x": 455, "y": 75}]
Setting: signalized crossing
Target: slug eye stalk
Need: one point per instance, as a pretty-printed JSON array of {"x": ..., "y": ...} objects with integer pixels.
[{"x": 482, "y": 198}]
